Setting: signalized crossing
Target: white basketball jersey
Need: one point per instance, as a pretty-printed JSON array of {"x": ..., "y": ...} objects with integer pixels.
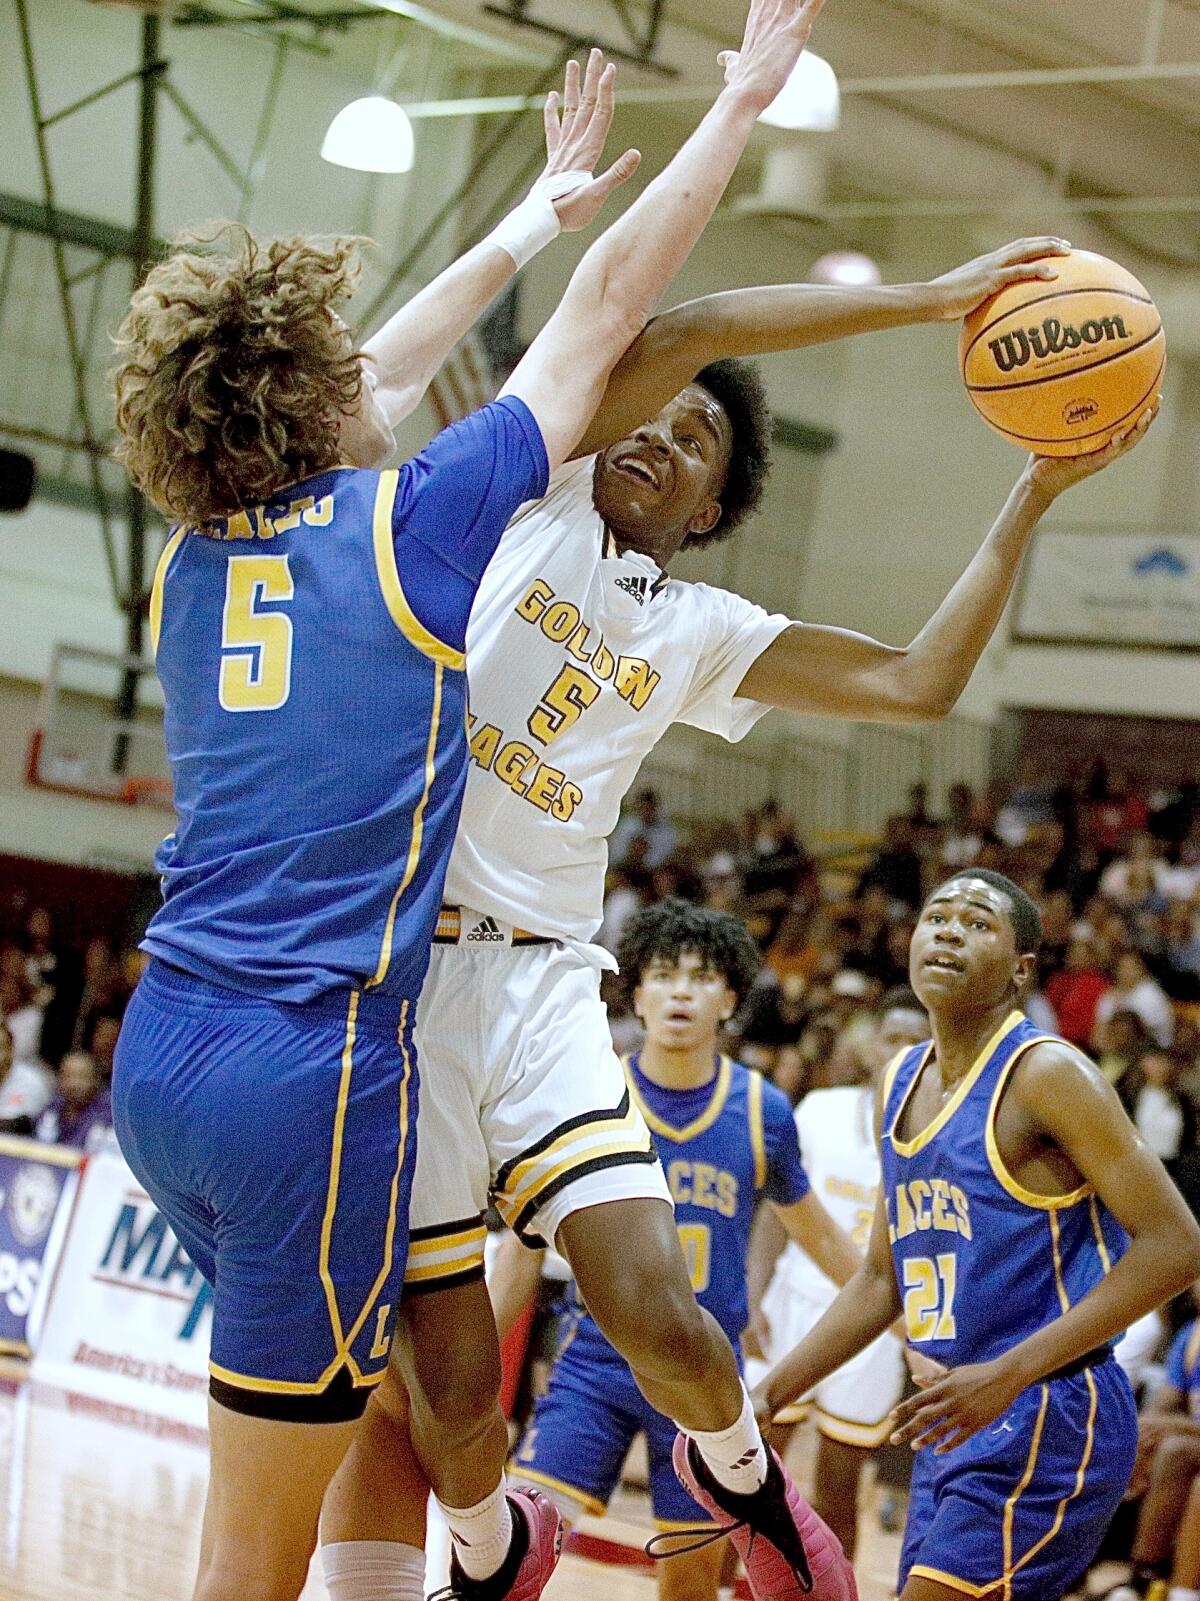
[
  {"x": 837, "y": 1144},
  {"x": 578, "y": 662}
]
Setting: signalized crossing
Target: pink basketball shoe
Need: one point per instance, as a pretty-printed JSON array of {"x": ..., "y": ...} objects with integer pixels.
[
  {"x": 516, "y": 1581},
  {"x": 787, "y": 1550}
]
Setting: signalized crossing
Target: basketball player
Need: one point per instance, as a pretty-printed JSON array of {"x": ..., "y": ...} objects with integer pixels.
[
  {"x": 1022, "y": 1225},
  {"x": 840, "y": 1156},
  {"x": 265, "y": 1088},
  {"x": 725, "y": 1139}
]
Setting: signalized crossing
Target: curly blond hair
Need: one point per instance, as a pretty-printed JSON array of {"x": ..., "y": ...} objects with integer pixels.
[{"x": 234, "y": 368}]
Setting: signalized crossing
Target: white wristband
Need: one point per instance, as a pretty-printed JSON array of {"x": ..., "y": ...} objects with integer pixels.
[{"x": 534, "y": 223}]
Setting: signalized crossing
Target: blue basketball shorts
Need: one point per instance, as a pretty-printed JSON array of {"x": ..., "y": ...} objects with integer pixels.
[
  {"x": 583, "y": 1426},
  {"x": 279, "y": 1142},
  {"x": 1019, "y": 1510}
]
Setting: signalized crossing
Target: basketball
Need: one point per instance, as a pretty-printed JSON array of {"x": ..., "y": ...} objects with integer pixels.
[{"x": 1060, "y": 366}]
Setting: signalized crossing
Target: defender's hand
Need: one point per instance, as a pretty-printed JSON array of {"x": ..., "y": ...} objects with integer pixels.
[
  {"x": 925, "y": 1371},
  {"x": 764, "y": 1412},
  {"x": 954, "y": 1408},
  {"x": 575, "y": 138},
  {"x": 961, "y": 291},
  {"x": 776, "y": 34},
  {"x": 1050, "y": 475}
]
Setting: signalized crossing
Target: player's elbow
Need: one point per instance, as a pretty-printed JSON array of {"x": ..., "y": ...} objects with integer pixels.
[{"x": 916, "y": 695}]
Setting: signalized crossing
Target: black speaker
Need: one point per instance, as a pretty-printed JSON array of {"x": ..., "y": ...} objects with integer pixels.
[{"x": 17, "y": 475}]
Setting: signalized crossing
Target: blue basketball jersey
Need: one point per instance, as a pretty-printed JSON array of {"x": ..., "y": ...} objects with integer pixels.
[
  {"x": 981, "y": 1262},
  {"x": 722, "y": 1147},
  {"x": 1183, "y": 1366},
  {"x": 311, "y": 652}
]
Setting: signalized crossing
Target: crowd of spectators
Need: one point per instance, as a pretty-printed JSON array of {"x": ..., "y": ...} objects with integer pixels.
[
  {"x": 1115, "y": 873},
  {"x": 60, "y": 1014}
]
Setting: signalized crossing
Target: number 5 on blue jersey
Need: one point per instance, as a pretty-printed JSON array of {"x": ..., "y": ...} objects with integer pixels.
[{"x": 256, "y": 646}]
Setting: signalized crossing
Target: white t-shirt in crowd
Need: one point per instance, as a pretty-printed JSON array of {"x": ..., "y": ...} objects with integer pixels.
[
  {"x": 26, "y": 1090},
  {"x": 578, "y": 663},
  {"x": 1149, "y": 1001}
]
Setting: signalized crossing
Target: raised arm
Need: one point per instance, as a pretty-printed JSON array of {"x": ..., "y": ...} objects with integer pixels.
[
  {"x": 1069, "y": 1102},
  {"x": 834, "y": 672},
  {"x": 618, "y": 283},
  {"x": 755, "y": 322},
  {"x": 414, "y": 342}
]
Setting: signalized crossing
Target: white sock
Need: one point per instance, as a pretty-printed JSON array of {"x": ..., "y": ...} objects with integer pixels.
[
  {"x": 1180, "y": 1592},
  {"x": 736, "y": 1456},
  {"x": 373, "y": 1570},
  {"x": 482, "y": 1533}
]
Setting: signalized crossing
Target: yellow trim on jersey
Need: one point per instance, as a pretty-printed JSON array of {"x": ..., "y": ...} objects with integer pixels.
[
  {"x": 509, "y": 1208},
  {"x": 670, "y": 1526},
  {"x": 1101, "y": 1247},
  {"x": 698, "y": 1125},
  {"x": 447, "y": 1242},
  {"x": 244, "y": 1381},
  {"x": 1084, "y": 1462},
  {"x": 890, "y": 1071},
  {"x": 846, "y": 1432},
  {"x": 335, "y": 1170},
  {"x": 758, "y": 1141},
  {"x": 1010, "y": 1506},
  {"x": 1044, "y": 1203},
  {"x": 418, "y": 832},
  {"x": 389, "y": 1240},
  {"x": 965, "y": 1086},
  {"x": 388, "y": 573},
  {"x": 794, "y": 1412},
  {"x": 920, "y": 1571},
  {"x": 443, "y": 1270},
  {"x": 588, "y": 1502},
  {"x": 156, "y": 588},
  {"x": 1064, "y": 1300},
  {"x": 512, "y": 1192}
]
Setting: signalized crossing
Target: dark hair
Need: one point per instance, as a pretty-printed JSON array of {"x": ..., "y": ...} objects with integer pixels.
[
  {"x": 665, "y": 931},
  {"x": 1024, "y": 916},
  {"x": 900, "y": 999},
  {"x": 737, "y": 387}
]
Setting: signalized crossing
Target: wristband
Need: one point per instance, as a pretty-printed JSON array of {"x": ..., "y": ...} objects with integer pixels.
[{"x": 534, "y": 223}]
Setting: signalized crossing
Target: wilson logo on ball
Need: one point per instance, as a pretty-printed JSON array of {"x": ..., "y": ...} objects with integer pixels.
[{"x": 1017, "y": 349}]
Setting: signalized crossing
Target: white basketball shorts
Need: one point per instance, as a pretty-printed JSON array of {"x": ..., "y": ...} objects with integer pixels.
[
  {"x": 524, "y": 1103},
  {"x": 854, "y": 1404}
]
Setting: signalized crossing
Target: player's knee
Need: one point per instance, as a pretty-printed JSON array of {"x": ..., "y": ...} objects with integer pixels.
[
  {"x": 458, "y": 1384},
  {"x": 650, "y": 1317}
]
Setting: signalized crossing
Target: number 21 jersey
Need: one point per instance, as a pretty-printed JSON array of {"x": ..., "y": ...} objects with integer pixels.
[{"x": 981, "y": 1262}]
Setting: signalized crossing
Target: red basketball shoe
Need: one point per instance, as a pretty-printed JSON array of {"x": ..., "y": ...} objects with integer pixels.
[{"x": 787, "y": 1550}]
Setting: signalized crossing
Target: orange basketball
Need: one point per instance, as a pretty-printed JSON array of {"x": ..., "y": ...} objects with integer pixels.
[{"x": 1061, "y": 366}]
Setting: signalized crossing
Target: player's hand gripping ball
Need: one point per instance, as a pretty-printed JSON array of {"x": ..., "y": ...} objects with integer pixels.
[{"x": 1062, "y": 365}]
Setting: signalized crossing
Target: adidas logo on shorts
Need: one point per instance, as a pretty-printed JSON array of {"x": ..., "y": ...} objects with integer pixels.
[
  {"x": 637, "y": 587},
  {"x": 486, "y": 932}
]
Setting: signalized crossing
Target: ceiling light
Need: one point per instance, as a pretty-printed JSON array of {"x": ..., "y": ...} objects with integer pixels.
[
  {"x": 848, "y": 267},
  {"x": 373, "y": 135},
  {"x": 809, "y": 100}
]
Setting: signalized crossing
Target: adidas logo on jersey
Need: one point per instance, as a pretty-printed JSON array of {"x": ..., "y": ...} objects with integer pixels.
[
  {"x": 487, "y": 931},
  {"x": 637, "y": 587}
]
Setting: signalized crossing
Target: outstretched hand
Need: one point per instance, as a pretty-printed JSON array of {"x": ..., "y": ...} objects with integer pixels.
[
  {"x": 1052, "y": 474},
  {"x": 577, "y": 126},
  {"x": 968, "y": 286},
  {"x": 775, "y": 36},
  {"x": 953, "y": 1408}
]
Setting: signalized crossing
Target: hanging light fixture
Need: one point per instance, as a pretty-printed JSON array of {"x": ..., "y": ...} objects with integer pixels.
[
  {"x": 371, "y": 135},
  {"x": 810, "y": 100},
  {"x": 849, "y": 267}
]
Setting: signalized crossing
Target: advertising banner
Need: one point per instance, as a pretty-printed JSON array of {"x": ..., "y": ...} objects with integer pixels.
[
  {"x": 128, "y": 1317},
  {"x": 1082, "y": 587},
  {"x": 35, "y": 1181}
]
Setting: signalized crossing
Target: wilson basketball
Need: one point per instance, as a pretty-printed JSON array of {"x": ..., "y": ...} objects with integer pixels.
[{"x": 1060, "y": 366}]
